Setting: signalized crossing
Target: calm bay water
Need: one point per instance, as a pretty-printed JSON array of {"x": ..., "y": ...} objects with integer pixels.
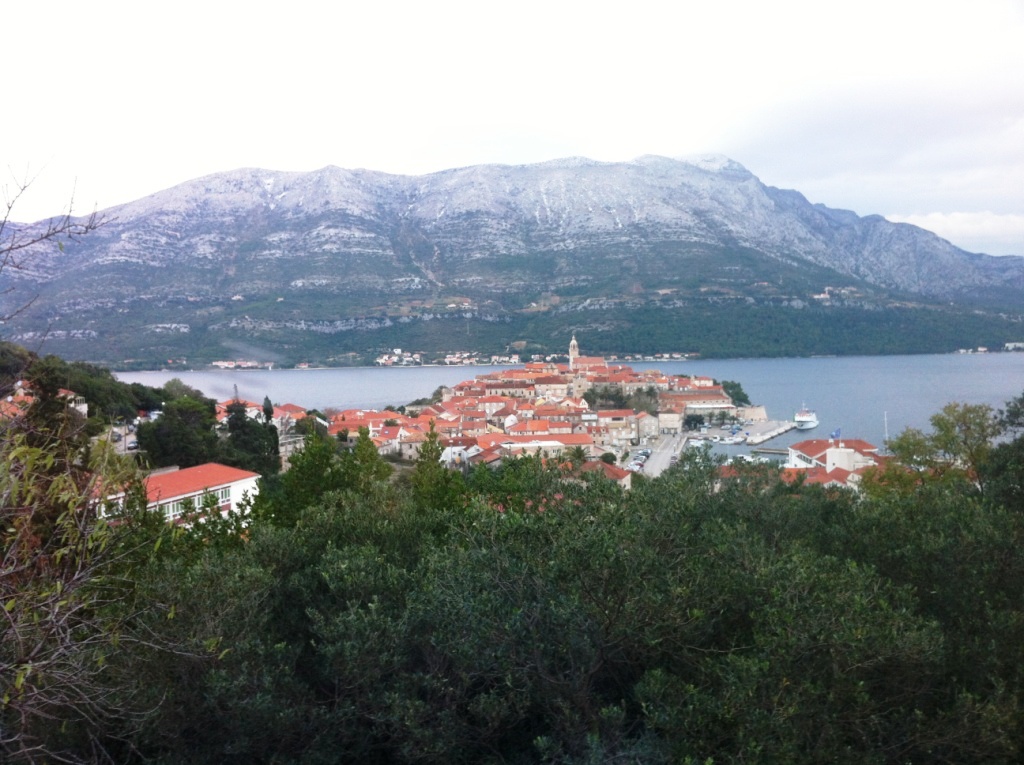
[{"x": 857, "y": 394}]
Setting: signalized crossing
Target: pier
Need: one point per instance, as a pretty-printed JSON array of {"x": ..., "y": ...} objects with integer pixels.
[{"x": 759, "y": 432}]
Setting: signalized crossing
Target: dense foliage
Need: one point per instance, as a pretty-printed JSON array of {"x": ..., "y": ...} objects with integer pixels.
[
  {"x": 109, "y": 399},
  {"x": 527, "y": 614}
]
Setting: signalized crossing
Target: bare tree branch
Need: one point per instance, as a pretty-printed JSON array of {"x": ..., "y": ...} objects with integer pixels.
[{"x": 19, "y": 242}]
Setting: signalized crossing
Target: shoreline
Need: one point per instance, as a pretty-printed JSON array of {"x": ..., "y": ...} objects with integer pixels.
[{"x": 692, "y": 359}]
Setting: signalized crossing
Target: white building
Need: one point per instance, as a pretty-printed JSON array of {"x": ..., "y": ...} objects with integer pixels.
[{"x": 175, "y": 492}]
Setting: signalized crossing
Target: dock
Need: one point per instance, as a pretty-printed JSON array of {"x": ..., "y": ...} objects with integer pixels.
[
  {"x": 755, "y": 433},
  {"x": 759, "y": 432}
]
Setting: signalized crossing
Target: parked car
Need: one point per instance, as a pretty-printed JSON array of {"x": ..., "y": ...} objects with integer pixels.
[{"x": 133, "y": 445}]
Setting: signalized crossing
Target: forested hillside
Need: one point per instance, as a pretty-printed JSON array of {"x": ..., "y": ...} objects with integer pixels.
[{"x": 528, "y": 614}]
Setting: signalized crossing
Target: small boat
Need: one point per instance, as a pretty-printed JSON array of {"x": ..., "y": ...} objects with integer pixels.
[{"x": 805, "y": 419}]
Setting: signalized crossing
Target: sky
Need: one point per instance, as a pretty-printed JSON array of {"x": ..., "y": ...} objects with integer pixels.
[{"x": 910, "y": 110}]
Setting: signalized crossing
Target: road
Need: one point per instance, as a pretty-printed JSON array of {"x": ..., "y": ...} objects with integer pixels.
[
  {"x": 121, "y": 445},
  {"x": 661, "y": 454}
]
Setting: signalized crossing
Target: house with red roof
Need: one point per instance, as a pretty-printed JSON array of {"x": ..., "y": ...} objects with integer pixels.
[
  {"x": 16, "y": 402},
  {"x": 253, "y": 410},
  {"x": 349, "y": 422},
  {"x": 491, "y": 457},
  {"x": 706, "y": 400},
  {"x": 620, "y": 423},
  {"x": 832, "y": 461},
  {"x": 550, "y": 445},
  {"x": 621, "y": 476},
  {"x": 552, "y": 385},
  {"x": 535, "y": 427}
]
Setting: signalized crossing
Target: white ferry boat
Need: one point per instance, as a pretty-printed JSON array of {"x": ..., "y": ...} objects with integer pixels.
[{"x": 805, "y": 419}]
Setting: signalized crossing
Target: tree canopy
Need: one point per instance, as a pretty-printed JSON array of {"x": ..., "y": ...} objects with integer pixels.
[{"x": 523, "y": 614}]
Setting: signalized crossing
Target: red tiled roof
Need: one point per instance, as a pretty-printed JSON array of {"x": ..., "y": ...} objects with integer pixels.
[
  {"x": 816, "y": 447},
  {"x": 566, "y": 439},
  {"x": 487, "y": 456},
  {"x": 179, "y": 483},
  {"x": 614, "y": 472},
  {"x": 816, "y": 475},
  {"x": 531, "y": 426}
]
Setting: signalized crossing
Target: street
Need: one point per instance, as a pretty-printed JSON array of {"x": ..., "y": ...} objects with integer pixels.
[{"x": 661, "y": 454}]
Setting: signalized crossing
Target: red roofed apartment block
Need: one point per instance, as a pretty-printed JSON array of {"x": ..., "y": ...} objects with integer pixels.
[{"x": 171, "y": 492}]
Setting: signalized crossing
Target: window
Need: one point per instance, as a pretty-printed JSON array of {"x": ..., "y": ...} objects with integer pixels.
[{"x": 172, "y": 509}]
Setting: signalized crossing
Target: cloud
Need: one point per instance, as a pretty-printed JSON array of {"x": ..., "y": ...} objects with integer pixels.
[
  {"x": 909, "y": 107},
  {"x": 985, "y": 232}
]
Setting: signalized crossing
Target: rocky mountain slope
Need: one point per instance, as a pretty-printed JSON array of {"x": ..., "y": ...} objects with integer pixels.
[{"x": 327, "y": 250}]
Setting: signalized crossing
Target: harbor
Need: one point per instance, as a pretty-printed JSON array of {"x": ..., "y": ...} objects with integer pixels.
[{"x": 751, "y": 434}]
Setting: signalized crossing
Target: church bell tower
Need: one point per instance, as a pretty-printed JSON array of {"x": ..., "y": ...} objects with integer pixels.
[{"x": 574, "y": 352}]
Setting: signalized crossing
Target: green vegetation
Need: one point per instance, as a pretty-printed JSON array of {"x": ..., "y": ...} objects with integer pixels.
[
  {"x": 526, "y": 614},
  {"x": 713, "y": 327},
  {"x": 613, "y": 397},
  {"x": 734, "y": 390},
  {"x": 183, "y": 435},
  {"x": 186, "y": 434},
  {"x": 251, "y": 445}
]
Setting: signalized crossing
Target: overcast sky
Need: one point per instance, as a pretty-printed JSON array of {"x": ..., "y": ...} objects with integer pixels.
[{"x": 911, "y": 110}]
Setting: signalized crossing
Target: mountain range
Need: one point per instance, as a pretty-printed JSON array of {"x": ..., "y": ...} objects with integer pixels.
[{"x": 297, "y": 264}]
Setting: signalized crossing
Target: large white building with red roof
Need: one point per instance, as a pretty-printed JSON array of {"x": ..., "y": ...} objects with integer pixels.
[
  {"x": 175, "y": 492},
  {"x": 833, "y": 461}
]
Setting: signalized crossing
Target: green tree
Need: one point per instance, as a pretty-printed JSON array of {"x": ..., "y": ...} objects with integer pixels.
[
  {"x": 313, "y": 422},
  {"x": 364, "y": 465},
  {"x": 314, "y": 471},
  {"x": 50, "y": 421},
  {"x": 963, "y": 436},
  {"x": 956, "y": 450},
  {"x": 434, "y": 486},
  {"x": 576, "y": 456},
  {"x": 250, "y": 445},
  {"x": 182, "y": 435},
  {"x": 1003, "y": 472},
  {"x": 1003, "y": 475},
  {"x": 67, "y": 608},
  {"x": 174, "y": 389},
  {"x": 734, "y": 390}
]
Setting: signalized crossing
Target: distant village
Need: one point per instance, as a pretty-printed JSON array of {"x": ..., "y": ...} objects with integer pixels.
[{"x": 398, "y": 357}]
